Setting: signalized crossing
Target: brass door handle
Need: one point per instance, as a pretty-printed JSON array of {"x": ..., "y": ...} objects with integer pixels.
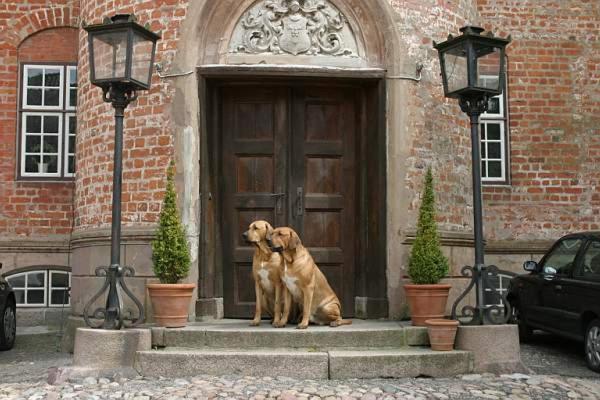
[{"x": 300, "y": 200}]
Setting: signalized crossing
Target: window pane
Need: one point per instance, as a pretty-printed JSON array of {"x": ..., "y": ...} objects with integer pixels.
[
  {"x": 35, "y": 279},
  {"x": 50, "y": 144},
  {"x": 35, "y": 297},
  {"x": 34, "y": 77},
  {"x": 483, "y": 152},
  {"x": 33, "y": 124},
  {"x": 16, "y": 281},
  {"x": 20, "y": 296},
  {"x": 33, "y": 144},
  {"x": 494, "y": 169},
  {"x": 482, "y": 130},
  {"x": 31, "y": 164},
  {"x": 73, "y": 77},
  {"x": 52, "y": 162},
  {"x": 34, "y": 97},
  {"x": 51, "y": 124},
  {"x": 73, "y": 98},
  {"x": 71, "y": 169},
  {"x": 493, "y": 150},
  {"x": 59, "y": 297},
  {"x": 494, "y": 105},
  {"x": 60, "y": 279},
  {"x": 51, "y": 97},
  {"x": 562, "y": 257},
  {"x": 591, "y": 261},
  {"x": 52, "y": 77},
  {"x": 72, "y": 124},
  {"x": 493, "y": 131},
  {"x": 71, "y": 144},
  {"x": 483, "y": 170},
  {"x": 141, "y": 62}
]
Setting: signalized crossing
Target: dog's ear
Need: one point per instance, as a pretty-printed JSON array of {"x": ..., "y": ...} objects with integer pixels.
[
  {"x": 268, "y": 228},
  {"x": 294, "y": 241}
]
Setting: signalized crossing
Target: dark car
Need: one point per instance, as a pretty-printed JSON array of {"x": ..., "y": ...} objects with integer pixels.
[
  {"x": 8, "y": 315},
  {"x": 561, "y": 294}
]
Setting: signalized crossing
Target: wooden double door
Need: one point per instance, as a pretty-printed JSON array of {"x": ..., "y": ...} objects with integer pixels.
[{"x": 289, "y": 156}]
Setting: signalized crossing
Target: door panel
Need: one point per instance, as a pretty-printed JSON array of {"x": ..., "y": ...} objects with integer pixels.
[
  {"x": 254, "y": 135},
  {"x": 299, "y": 141}
]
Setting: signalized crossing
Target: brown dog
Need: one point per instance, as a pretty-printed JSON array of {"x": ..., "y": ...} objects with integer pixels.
[
  {"x": 305, "y": 282},
  {"x": 266, "y": 270}
]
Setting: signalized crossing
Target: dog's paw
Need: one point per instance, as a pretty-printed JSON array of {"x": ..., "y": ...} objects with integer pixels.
[
  {"x": 279, "y": 324},
  {"x": 302, "y": 326},
  {"x": 254, "y": 323}
]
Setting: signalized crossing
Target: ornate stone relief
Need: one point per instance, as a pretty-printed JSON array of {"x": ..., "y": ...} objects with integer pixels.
[{"x": 307, "y": 27}]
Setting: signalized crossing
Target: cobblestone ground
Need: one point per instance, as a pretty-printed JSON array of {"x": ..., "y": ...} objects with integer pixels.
[
  {"x": 558, "y": 372},
  {"x": 204, "y": 387}
]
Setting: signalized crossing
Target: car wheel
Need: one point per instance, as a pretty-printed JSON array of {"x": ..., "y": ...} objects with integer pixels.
[
  {"x": 525, "y": 331},
  {"x": 8, "y": 326},
  {"x": 592, "y": 345}
]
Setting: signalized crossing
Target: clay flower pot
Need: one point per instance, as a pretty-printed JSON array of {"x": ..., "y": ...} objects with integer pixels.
[
  {"x": 442, "y": 333},
  {"x": 170, "y": 303},
  {"x": 426, "y": 302}
]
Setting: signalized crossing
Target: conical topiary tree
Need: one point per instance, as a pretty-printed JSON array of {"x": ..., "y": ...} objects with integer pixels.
[
  {"x": 170, "y": 253},
  {"x": 427, "y": 263}
]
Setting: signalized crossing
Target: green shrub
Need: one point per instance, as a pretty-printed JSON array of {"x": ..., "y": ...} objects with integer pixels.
[
  {"x": 427, "y": 263},
  {"x": 170, "y": 253}
]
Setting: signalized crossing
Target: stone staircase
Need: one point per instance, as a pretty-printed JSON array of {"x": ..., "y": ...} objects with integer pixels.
[{"x": 365, "y": 349}]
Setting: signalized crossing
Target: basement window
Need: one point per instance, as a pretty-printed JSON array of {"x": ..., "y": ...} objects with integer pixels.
[{"x": 41, "y": 288}]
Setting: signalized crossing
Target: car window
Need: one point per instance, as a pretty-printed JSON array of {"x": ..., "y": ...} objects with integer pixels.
[
  {"x": 591, "y": 261},
  {"x": 562, "y": 257}
]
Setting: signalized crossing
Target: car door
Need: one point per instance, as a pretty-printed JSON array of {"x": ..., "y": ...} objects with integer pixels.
[
  {"x": 581, "y": 292},
  {"x": 556, "y": 267}
]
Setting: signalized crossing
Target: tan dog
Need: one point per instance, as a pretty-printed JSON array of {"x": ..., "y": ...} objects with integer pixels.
[
  {"x": 266, "y": 270},
  {"x": 305, "y": 282}
]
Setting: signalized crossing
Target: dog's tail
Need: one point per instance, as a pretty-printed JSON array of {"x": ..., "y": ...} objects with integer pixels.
[{"x": 340, "y": 322}]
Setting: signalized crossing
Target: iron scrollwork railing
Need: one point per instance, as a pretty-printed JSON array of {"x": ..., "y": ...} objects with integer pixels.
[
  {"x": 113, "y": 316},
  {"x": 488, "y": 284}
]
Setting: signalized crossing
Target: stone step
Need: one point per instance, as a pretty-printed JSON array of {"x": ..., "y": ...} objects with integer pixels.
[
  {"x": 304, "y": 363},
  {"x": 238, "y": 334}
]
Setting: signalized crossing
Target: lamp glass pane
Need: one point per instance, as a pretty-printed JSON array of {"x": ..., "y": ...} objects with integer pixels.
[
  {"x": 141, "y": 58},
  {"x": 110, "y": 55},
  {"x": 488, "y": 67},
  {"x": 456, "y": 71}
]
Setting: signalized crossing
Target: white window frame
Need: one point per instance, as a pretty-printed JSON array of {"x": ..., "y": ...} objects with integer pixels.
[
  {"x": 51, "y": 288},
  {"x": 64, "y": 110},
  {"x": 24, "y": 135},
  {"x": 500, "y": 119},
  {"x": 61, "y": 86},
  {"x": 26, "y": 288},
  {"x": 47, "y": 288},
  {"x": 67, "y": 85},
  {"x": 68, "y": 136}
]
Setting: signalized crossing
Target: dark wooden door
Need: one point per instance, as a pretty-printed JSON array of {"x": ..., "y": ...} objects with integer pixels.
[{"x": 288, "y": 156}]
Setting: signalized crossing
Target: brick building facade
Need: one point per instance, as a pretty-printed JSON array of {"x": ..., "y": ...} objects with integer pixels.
[{"x": 542, "y": 144}]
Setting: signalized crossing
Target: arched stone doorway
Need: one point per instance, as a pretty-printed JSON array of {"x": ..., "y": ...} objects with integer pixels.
[{"x": 236, "y": 67}]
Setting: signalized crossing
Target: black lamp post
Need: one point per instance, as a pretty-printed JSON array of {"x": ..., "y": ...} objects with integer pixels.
[
  {"x": 473, "y": 71},
  {"x": 121, "y": 60}
]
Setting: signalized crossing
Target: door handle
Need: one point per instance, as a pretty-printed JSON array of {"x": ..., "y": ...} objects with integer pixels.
[
  {"x": 278, "y": 202},
  {"x": 300, "y": 200}
]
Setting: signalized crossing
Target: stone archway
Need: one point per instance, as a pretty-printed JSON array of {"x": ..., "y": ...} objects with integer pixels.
[{"x": 207, "y": 42}]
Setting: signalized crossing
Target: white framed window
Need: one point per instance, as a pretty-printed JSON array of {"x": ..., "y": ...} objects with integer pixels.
[
  {"x": 41, "y": 288},
  {"x": 43, "y": 86},
  {"x": 494, "y": 140},
  {"x": 48, "y": 121}
]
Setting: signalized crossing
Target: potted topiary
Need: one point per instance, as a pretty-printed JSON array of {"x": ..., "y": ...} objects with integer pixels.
[
  {"x": 171, "y": 263},
  {"x": 427, "y": 264}
]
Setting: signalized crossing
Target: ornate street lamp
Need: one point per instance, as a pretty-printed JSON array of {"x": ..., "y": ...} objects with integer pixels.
[
  {"x": 121, "y": 59},
  {"x": 473, "y": 71}
]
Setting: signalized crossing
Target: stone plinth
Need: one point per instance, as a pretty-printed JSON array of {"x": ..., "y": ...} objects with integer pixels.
[
  {"x": 496, "y": 348},
  {"x": 101, "y": 349}
]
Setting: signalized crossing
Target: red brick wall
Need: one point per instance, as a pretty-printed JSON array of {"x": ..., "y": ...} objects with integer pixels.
[
  {"x": 554, "y": 106},
  {"x": 31, "y": 208},
  {"x": 148, "y": 137}
]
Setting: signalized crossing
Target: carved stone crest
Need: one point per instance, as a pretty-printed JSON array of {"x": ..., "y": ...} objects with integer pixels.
[{"x": 312, "y": 27}]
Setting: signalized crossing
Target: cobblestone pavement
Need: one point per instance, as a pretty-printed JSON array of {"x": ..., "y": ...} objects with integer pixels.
[{"x": 558, "y": 372}]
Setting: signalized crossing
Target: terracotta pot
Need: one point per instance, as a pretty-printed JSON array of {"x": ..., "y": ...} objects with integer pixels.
[
  {"x": 426, "y": 302},
  {"x": 442, "y": 333},
  {"x": 171, "y": 303}
]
